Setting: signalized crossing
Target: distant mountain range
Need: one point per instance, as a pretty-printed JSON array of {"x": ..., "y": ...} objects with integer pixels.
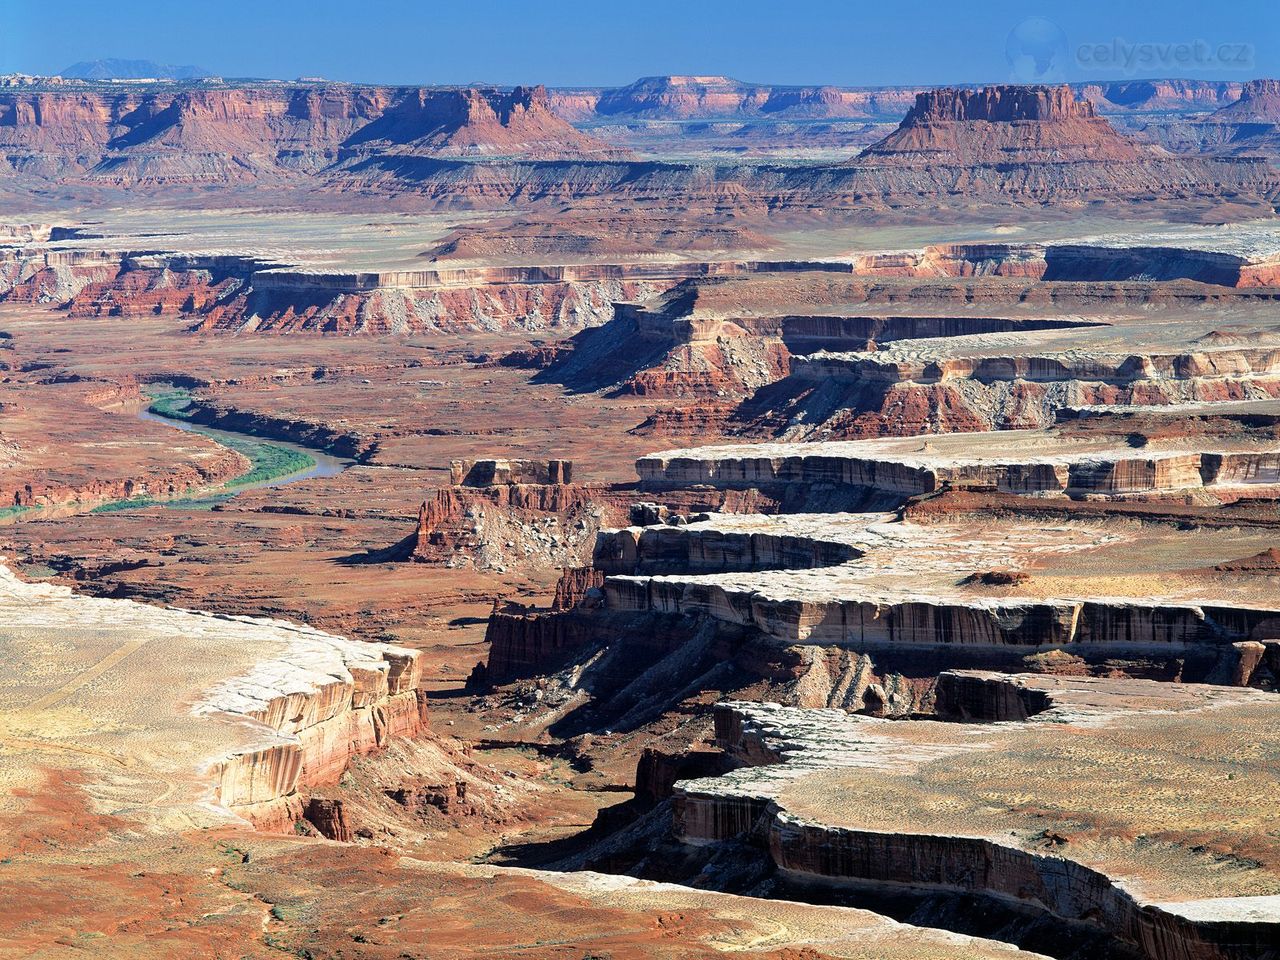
[
  {"x": 724, "y": 98},
  {"x": 115, "y": 69},
  {"x": 459, "y": 147}
]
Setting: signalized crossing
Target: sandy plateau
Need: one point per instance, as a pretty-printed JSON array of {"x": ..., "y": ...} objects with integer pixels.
[{"x": 685, "y": 519}]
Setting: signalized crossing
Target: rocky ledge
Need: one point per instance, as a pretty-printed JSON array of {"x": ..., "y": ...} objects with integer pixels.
[
  {"x": 1027, "y": 462},
  {"x": 953, "y": 591},
  {"x": 178, "y": 717},
  {"x": 818, "y": 794},
  {"x": 323, "y": 702}
]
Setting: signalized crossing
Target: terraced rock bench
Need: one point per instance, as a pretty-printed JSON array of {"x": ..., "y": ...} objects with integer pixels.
[{"x": 1046, "y": 814}]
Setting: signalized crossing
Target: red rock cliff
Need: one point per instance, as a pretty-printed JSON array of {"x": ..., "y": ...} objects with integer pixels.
[
  {"x": 1003, "y": 104},
  {"x": 479, "y": 122},
  {"x": 1002, "y": 125},
  {"x": 1259, "y": 103}
]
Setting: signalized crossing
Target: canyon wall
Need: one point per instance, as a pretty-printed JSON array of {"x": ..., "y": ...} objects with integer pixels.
[
  {"x": 486, "y": 146},
  {"x": 664, "y": 549},
  {"x": 228, "y": 293},
  {"x": 887, "y": 368},
  {"x": 1109, "y": 474},
  {"x": 238, "y": 293},
  {"x": 1093, "y": 628},
  {"x": 1094, "y": 263},
  {"x": 319, "y": 708},
  {"x": 51, "y": 490},
  {"x": 847, "y": 396},
  {"x": 169, "y": 134},
  {"x": 1075, "y": 262},
  {"x": 811, "y": 855},
  {"x": 473, "y": 122},
  {"x": 305, "y": 433},
  {"x": 526, "y": 643}
]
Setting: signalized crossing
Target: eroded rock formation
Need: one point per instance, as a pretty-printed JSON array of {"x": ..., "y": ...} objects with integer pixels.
[
  {"x": 473, "y": 122},
  {"x": 485, "y": 148},
  {"x": 268, "y": 134},
  {"x": 1009, "y": 124},
  {"x": 790, "y": 757},
  {"x": 227, "y": 718},
  {"x": 327, "y": 703}
]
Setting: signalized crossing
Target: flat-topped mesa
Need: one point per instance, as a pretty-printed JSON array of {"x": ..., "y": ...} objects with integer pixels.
[
  {"x": 676, "y": 96},
  {"x": 663, "y": 550},
  {"x": 1146, "y": 96},
  {"x": 1000, "y": 104},
  {"x": 424, "y": 108},
  {"x": 1002, "y": 124},
  {"x": 485, "y": 105},
  {"x": 1118, "y": 369},
  {"x": 706, "y": 97},
  {"x": 498, "y": 505},
  {"x": 905, "y": 592},
  {"x": 823, "y": 606}
]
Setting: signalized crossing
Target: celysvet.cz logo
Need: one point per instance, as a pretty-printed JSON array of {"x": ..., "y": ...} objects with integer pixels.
[
  {"x": 1038, "y": 51},
  {"x": 1128, "y": 57}
]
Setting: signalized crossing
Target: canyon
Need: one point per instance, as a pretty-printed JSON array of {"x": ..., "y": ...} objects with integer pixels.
[
  {"x": 788, "y": 758},
  {"x": 678, "y": 519}
]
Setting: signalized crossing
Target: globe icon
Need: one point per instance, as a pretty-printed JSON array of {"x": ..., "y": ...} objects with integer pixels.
[{"x": 1037, "y": 51}]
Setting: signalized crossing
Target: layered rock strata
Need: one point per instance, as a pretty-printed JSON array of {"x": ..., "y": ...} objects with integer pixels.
[
  {"x": 872, "y": 585},
  {"x": 486, "y": 147},
  {"x": 325, "y": 703},
  {"x": 1097, "y": 262},
  {"x": 794, "y": 760},
  {"x": 498, "y": 509},
  {"x": 1111, "y": 369},
  {"x": 1259, "y": 103},
  {"x": 1189, "y": 185},
  {"x": 1006, "y": 124},
  {"x": 488, "y": 473},
  {"x": 223, "y": 292},
  {"x": 703, "y": 98},
  {"x": 217, "y": 718},
  {"x": 922, "y": 465},
  {"x": 1034, "y": 140},
  {"x": 165, "y": 135},
  {"x": 897, "y": 393},
  {"x": 1248, "y": 127},
  {"x": 525, "y": 643},
  {"x": 715, "y": 97},
  {"x": 473, "y": 122},
  {"x": 682, "y": 343}
]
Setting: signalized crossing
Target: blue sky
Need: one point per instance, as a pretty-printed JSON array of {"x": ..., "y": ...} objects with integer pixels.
[{"x": 570, "y": 42}]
